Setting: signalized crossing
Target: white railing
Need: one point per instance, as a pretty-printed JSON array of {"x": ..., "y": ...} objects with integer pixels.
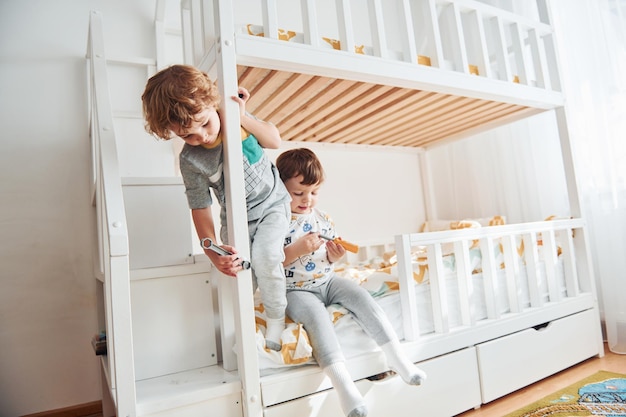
[
  {"x": 113, "y": 254},
  {"x": 562, "y": 243},
  {"x": 464, "y": 36}
]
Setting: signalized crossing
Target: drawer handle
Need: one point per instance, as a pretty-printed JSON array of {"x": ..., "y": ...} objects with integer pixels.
[
  {"x": 381, "y": 377},
  {"x": 542, "y": 326}
]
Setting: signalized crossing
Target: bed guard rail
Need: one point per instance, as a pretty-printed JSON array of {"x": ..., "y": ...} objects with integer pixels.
[
  {"x": 464, "y": 36},
  {"x": 545, "y": 246}
]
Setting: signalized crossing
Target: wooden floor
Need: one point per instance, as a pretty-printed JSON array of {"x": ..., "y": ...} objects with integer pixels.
[{"x": 507, "y": 404}]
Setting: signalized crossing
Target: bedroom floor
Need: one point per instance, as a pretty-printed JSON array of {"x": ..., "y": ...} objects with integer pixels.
[{"x": 610, "y": 362}]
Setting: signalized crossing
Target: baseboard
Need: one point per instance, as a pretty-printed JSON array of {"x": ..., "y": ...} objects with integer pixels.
[{"x": 81, "y": 410}]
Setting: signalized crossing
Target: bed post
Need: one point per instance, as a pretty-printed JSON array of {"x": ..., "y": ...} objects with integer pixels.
[
  {"x": 581, "y": 240},
  {"x": 242, "y": 302}
]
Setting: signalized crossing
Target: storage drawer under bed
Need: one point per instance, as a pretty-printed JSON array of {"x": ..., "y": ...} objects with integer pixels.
[
  {"x": 511, "y": 362},
  {"x": 452, "y": 374}
]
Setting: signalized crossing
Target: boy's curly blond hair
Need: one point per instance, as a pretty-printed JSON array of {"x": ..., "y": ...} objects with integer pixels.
[{"x": 173, "y": 96}]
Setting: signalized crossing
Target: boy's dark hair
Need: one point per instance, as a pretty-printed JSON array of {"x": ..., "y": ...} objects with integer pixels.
[
  {"x": 174, "y": 95},
  {"x": 300, "y": 161}
]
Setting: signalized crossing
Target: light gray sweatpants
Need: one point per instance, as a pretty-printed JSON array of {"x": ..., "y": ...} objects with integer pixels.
[
  {"x": 267, "y": 239},
  {"x": 308, "y": 306}
]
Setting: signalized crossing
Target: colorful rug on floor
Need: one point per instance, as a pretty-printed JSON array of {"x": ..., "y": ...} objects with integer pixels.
[{"x": 601, "y": 394}]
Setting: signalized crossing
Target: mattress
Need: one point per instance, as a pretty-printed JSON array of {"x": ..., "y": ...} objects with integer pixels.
[{"x": 379, "y": 276}]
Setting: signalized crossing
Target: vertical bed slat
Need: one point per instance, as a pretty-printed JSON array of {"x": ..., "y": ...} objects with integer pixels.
[
  {"x": 270, "y": 19},
  {"x": 551, "y": 262},
  {"x": 432, "y": 21},
  {"x": 569, "y": 262},
  {"x": 438, "y": 294},
  {"x": 377, "y": 28},
  {"x": 489, "y": 277},
  {"x": 501, "y": 50},
  {"x": 512, "y": 271},
  {"x": 409, "y": 49},
  {"x": 407, "y": 292},
  {"x": 550, "y": 49},
  {"x": 459, "y": 50},
  {"x": 464, "y": 279},
  {"x": 346, "y": 30},
  {"x": 477, "y": 41},
  {"x": 518, "y": 51},
  {"x": 539, "y": 60},
  {"x": 532, "y": 261},
  {"x": 309, "y": 21}
]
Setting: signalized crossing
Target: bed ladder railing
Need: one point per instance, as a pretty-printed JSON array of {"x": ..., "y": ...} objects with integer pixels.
[{"x": 112, "y": 268}]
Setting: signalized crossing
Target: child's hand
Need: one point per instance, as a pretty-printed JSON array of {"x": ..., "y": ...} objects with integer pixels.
[
  {"x": 241, "y": 98},
  {"x": 334, "y": 251},
  {"x": 226, "y": 264},
  {"x": 308, "y": 244}
]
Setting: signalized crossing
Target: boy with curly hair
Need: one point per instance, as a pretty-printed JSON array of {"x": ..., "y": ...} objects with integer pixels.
[{"x": 182, "y": 101}]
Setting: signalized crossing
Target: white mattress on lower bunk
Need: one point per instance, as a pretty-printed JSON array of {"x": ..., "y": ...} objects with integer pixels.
[{"x": 382, "y": 284}]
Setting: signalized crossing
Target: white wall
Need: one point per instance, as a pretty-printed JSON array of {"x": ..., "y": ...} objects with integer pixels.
[
  {"x": 47, "y": 289},
  {"x": 370, "y": 193}
]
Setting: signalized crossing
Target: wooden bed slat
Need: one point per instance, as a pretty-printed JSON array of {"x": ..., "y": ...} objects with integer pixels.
[{"x": 309, "y": 108}]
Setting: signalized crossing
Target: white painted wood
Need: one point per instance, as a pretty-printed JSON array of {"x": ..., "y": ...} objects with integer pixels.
[
  {"x": 243, "y": 307},
  {"x": 531, "y": 257},
  {"x": 159, "y": 223},
  {"x": 433, "y": 31},
  {"x": 458, "y": 42},
  {"x": 344, "y": 21},
  {"x": 406, "y": 283},
  {"x": 377, "y": 25},
  {"x": 191, "y": 393},
  {"x": 512, "y": 270},
  {"x": 270, "y": 18},
  {"x": 464, "y": 280},
  {"x": 487, "y": 249},
  {"x": 309, "y": 21},
  {"x": 408, "y": 44},
  {"x": 504, "y": 68},
  {"x": 517, "y": 38},
  {"x": 112, "y": 227},
  {"x": 539, "y": 60},
  {"x": 550, "y": 262},
  {"x": 173, "y": 329},
  {"x": 456, "y": 372},
  {"x": 438, "y": 291},
  {"x": 227, "y": 406},
  {"x": 512, "y": 362},
  {"x": 569, "y": 262}
]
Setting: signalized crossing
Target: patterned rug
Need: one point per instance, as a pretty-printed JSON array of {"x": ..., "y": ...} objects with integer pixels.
[{"x": 601, "y": 394}]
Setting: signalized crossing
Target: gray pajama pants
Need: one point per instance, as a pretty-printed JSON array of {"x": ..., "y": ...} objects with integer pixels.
[
  {"x": 267, "y": 239},
  {"x": 308, "y": 306}
]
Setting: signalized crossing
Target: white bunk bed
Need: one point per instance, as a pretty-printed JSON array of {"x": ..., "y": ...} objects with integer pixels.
[{"x": 485, "y": 310}]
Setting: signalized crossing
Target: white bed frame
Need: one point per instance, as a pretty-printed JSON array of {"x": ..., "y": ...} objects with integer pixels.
[{"x": 171, "y": 323}]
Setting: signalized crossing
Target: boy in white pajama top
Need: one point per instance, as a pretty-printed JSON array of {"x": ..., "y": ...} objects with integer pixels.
[{"x": 312, "y": 284}]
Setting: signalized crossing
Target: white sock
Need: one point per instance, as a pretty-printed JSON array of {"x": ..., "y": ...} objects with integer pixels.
[
  {"x": 273, "y": 331},
  {"x": 352, "y": 402},
  {"x": 400, "y": 364}
]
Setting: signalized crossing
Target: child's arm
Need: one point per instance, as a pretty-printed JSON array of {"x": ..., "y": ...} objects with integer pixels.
[
  {"x": 203, "y": 221},
  {"x": 266, "y": 133}
]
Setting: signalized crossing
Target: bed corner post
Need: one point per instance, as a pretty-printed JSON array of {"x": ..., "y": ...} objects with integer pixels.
[
  {"x": 241, "y": 289},
  {"x": 582, "y": 245}
]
